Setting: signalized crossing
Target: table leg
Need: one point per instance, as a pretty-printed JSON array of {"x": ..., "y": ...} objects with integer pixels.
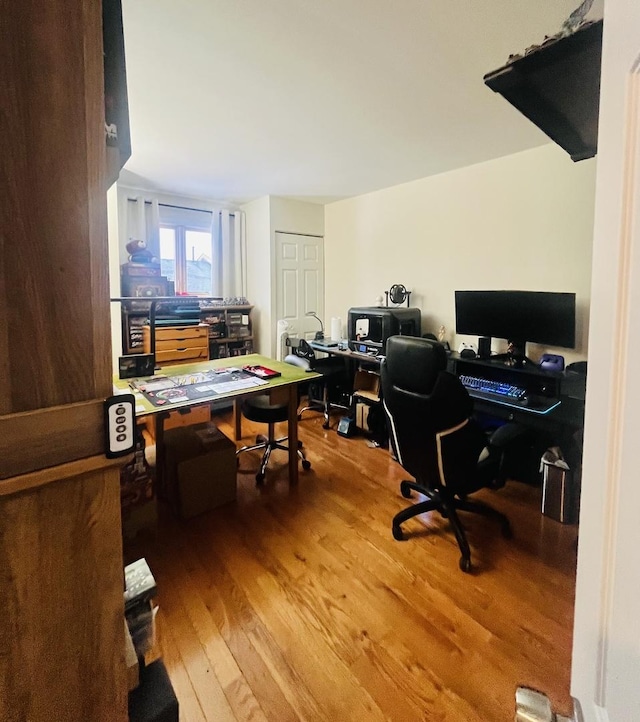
[
  {"x": 237, "y": 419},
  {"x": 292, "y": 433}
]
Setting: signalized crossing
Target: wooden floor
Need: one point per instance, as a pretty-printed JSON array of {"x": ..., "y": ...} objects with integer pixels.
[{"x": 298, "y": 604}]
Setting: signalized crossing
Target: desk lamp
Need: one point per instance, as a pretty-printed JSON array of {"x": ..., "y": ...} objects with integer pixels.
[{"x": 319, "y": 334}]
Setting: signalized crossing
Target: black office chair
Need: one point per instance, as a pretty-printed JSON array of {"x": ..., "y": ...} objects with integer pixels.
[
  {"x": 260, "y": 409},
  {"x": 435, "y": 440},
  {"x": 321, "y": 395}
]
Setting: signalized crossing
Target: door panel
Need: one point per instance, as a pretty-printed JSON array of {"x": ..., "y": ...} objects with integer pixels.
[{"x": 299, "y": 282}]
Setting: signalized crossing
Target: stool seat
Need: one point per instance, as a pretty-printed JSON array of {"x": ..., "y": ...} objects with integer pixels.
[{"x": 262, "y": 411}]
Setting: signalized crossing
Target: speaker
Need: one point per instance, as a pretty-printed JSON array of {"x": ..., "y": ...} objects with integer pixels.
[
  {"x": 136, "y": 365},
  {"x": 484, "y": 346}
]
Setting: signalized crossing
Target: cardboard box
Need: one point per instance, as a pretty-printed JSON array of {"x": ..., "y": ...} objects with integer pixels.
[
  {"x": 200, "y": 469},
  {"x": 362, "y": 416},
  {"x": 367, "y": 385}
]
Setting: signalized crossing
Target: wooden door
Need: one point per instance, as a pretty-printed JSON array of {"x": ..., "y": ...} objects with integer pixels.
[
  {"x": 62, "y": 621},
  {"x": 300, "y": 282}
]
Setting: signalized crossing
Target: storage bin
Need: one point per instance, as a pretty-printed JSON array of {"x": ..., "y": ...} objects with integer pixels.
[{"x": 559, "y": 497}]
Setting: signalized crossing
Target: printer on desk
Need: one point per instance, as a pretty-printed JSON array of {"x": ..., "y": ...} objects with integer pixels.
[{"x": 369, "y": 327}]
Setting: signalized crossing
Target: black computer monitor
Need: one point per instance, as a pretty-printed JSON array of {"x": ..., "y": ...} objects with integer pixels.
[{"x": 544, "y": 317}]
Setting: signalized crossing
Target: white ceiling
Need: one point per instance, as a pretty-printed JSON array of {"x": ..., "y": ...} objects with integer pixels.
[{"x": 321, "y": 99}]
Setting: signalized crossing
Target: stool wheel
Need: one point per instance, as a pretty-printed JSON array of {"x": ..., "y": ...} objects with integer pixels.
[
  {"x": 405, "y": 489},
  {"x": 306, "y": 464},
  {"x": 259, "y": 479}
]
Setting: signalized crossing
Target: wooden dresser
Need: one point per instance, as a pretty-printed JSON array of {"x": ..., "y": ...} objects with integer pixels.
[{"x": 175, "y": 344}]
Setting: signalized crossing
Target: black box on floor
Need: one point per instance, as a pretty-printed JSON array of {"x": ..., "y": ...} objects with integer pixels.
[{"x": 154, "y": 699}]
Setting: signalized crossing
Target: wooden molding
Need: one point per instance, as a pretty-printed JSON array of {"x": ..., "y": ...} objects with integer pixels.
[
  {"x": 73, "y": 469},
  {"x": 33, "y": 440}
]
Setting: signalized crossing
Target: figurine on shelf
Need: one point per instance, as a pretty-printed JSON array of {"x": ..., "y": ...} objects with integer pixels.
[{"x": 138, "y": 252}]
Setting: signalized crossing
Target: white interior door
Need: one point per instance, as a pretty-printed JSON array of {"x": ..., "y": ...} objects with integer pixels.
[{"x": 299, "y": 282}]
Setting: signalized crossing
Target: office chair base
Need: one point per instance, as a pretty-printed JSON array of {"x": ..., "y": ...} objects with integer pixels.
[
  {"x": 269, "y": 444},
  {"x": 447, "y": 506}
]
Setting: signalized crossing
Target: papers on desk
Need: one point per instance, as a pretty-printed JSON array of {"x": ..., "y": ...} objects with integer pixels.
[{"x": 200, "y": 386}]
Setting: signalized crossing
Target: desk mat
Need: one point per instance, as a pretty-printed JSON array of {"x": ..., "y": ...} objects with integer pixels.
[{"x": 200, "y": 386}]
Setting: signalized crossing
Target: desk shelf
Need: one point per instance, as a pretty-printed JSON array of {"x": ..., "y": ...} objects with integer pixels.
[{"x": 230, "y": 330}]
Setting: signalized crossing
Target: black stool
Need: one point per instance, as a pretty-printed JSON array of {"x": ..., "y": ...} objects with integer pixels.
[{"x": 261, "y": 410}]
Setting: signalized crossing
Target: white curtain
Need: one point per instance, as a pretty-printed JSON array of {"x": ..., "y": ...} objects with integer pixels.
[
  {"x": 142, "y": 224},
  {"x": 229, "y": 272}
]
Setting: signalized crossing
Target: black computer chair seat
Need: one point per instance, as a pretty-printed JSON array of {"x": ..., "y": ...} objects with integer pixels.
[
  {"x": 435, "y": 439},
  {"x": 262, "y": 411}
]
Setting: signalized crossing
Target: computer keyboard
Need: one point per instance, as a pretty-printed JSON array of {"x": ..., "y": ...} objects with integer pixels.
[{"x": 499, "y": 388}]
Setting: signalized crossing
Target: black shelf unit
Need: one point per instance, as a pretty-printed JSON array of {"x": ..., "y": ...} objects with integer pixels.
[{"x": 557, "y": 87}]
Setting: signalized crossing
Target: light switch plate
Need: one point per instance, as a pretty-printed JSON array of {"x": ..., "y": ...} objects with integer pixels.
[{"x": 119, "y": 425}]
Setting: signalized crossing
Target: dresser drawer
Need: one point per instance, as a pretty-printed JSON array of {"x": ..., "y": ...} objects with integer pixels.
[
  {"x": 176, "y": 355},
  {"x": 177, "y": 332},
  {"x": 172, "y": 343}
]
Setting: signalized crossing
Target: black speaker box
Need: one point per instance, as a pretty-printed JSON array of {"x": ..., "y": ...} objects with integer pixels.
[
  {"x": 484, "y": 346},
  {"x": 136, "y": 365}
]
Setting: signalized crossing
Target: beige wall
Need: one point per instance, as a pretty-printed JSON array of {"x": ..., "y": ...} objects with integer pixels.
[
  {"x": 520, "y": 222},
  {"x": 258, "y": 269},
  {"x": 265, "y": 217}
]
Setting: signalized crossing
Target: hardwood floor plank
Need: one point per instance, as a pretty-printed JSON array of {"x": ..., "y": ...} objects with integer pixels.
[
  {"x": 296, "y": 603},
  {"x": 190, "y": 710}
]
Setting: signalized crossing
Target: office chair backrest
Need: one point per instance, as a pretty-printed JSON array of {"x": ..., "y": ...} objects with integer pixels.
[
  {"x": 300, "y": 347},
  {"x": 421, "y": 400}
]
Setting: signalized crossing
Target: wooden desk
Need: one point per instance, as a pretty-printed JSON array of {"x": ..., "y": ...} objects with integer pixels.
[{"x": 289, "y": 379}]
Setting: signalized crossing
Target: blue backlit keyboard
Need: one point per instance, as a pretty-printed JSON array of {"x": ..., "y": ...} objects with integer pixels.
[{"x": 509, "y": 391}]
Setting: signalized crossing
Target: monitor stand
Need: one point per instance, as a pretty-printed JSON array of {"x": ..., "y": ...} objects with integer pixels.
[{"x": 516, "y": 356}]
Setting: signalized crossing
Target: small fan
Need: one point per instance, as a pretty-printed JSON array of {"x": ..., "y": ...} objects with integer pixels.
[{"x": 397, "y": 294}]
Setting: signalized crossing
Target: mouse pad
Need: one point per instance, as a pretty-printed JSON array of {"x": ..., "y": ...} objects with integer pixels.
[{"x": 165, "y": 390}]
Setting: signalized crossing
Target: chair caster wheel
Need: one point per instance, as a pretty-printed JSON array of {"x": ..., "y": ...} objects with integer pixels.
[
  {"x": 405, "y": 489},
  {"x": 325, "y": 425},
  {"x": 465, "y": 564},
  {"x": 306, "y": 464},
  {"x": 397, "y": 533},
  {"x": 260, "y": 439},
  {"x": 299, "y": 444},
  {"x": 259, "y": 479}
]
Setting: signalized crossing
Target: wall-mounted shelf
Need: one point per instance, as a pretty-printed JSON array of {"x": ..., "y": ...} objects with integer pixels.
[{"x": 557, "y": 87}]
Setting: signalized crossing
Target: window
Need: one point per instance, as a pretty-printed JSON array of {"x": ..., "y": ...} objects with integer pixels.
[{"x": 186, "y": 250}]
